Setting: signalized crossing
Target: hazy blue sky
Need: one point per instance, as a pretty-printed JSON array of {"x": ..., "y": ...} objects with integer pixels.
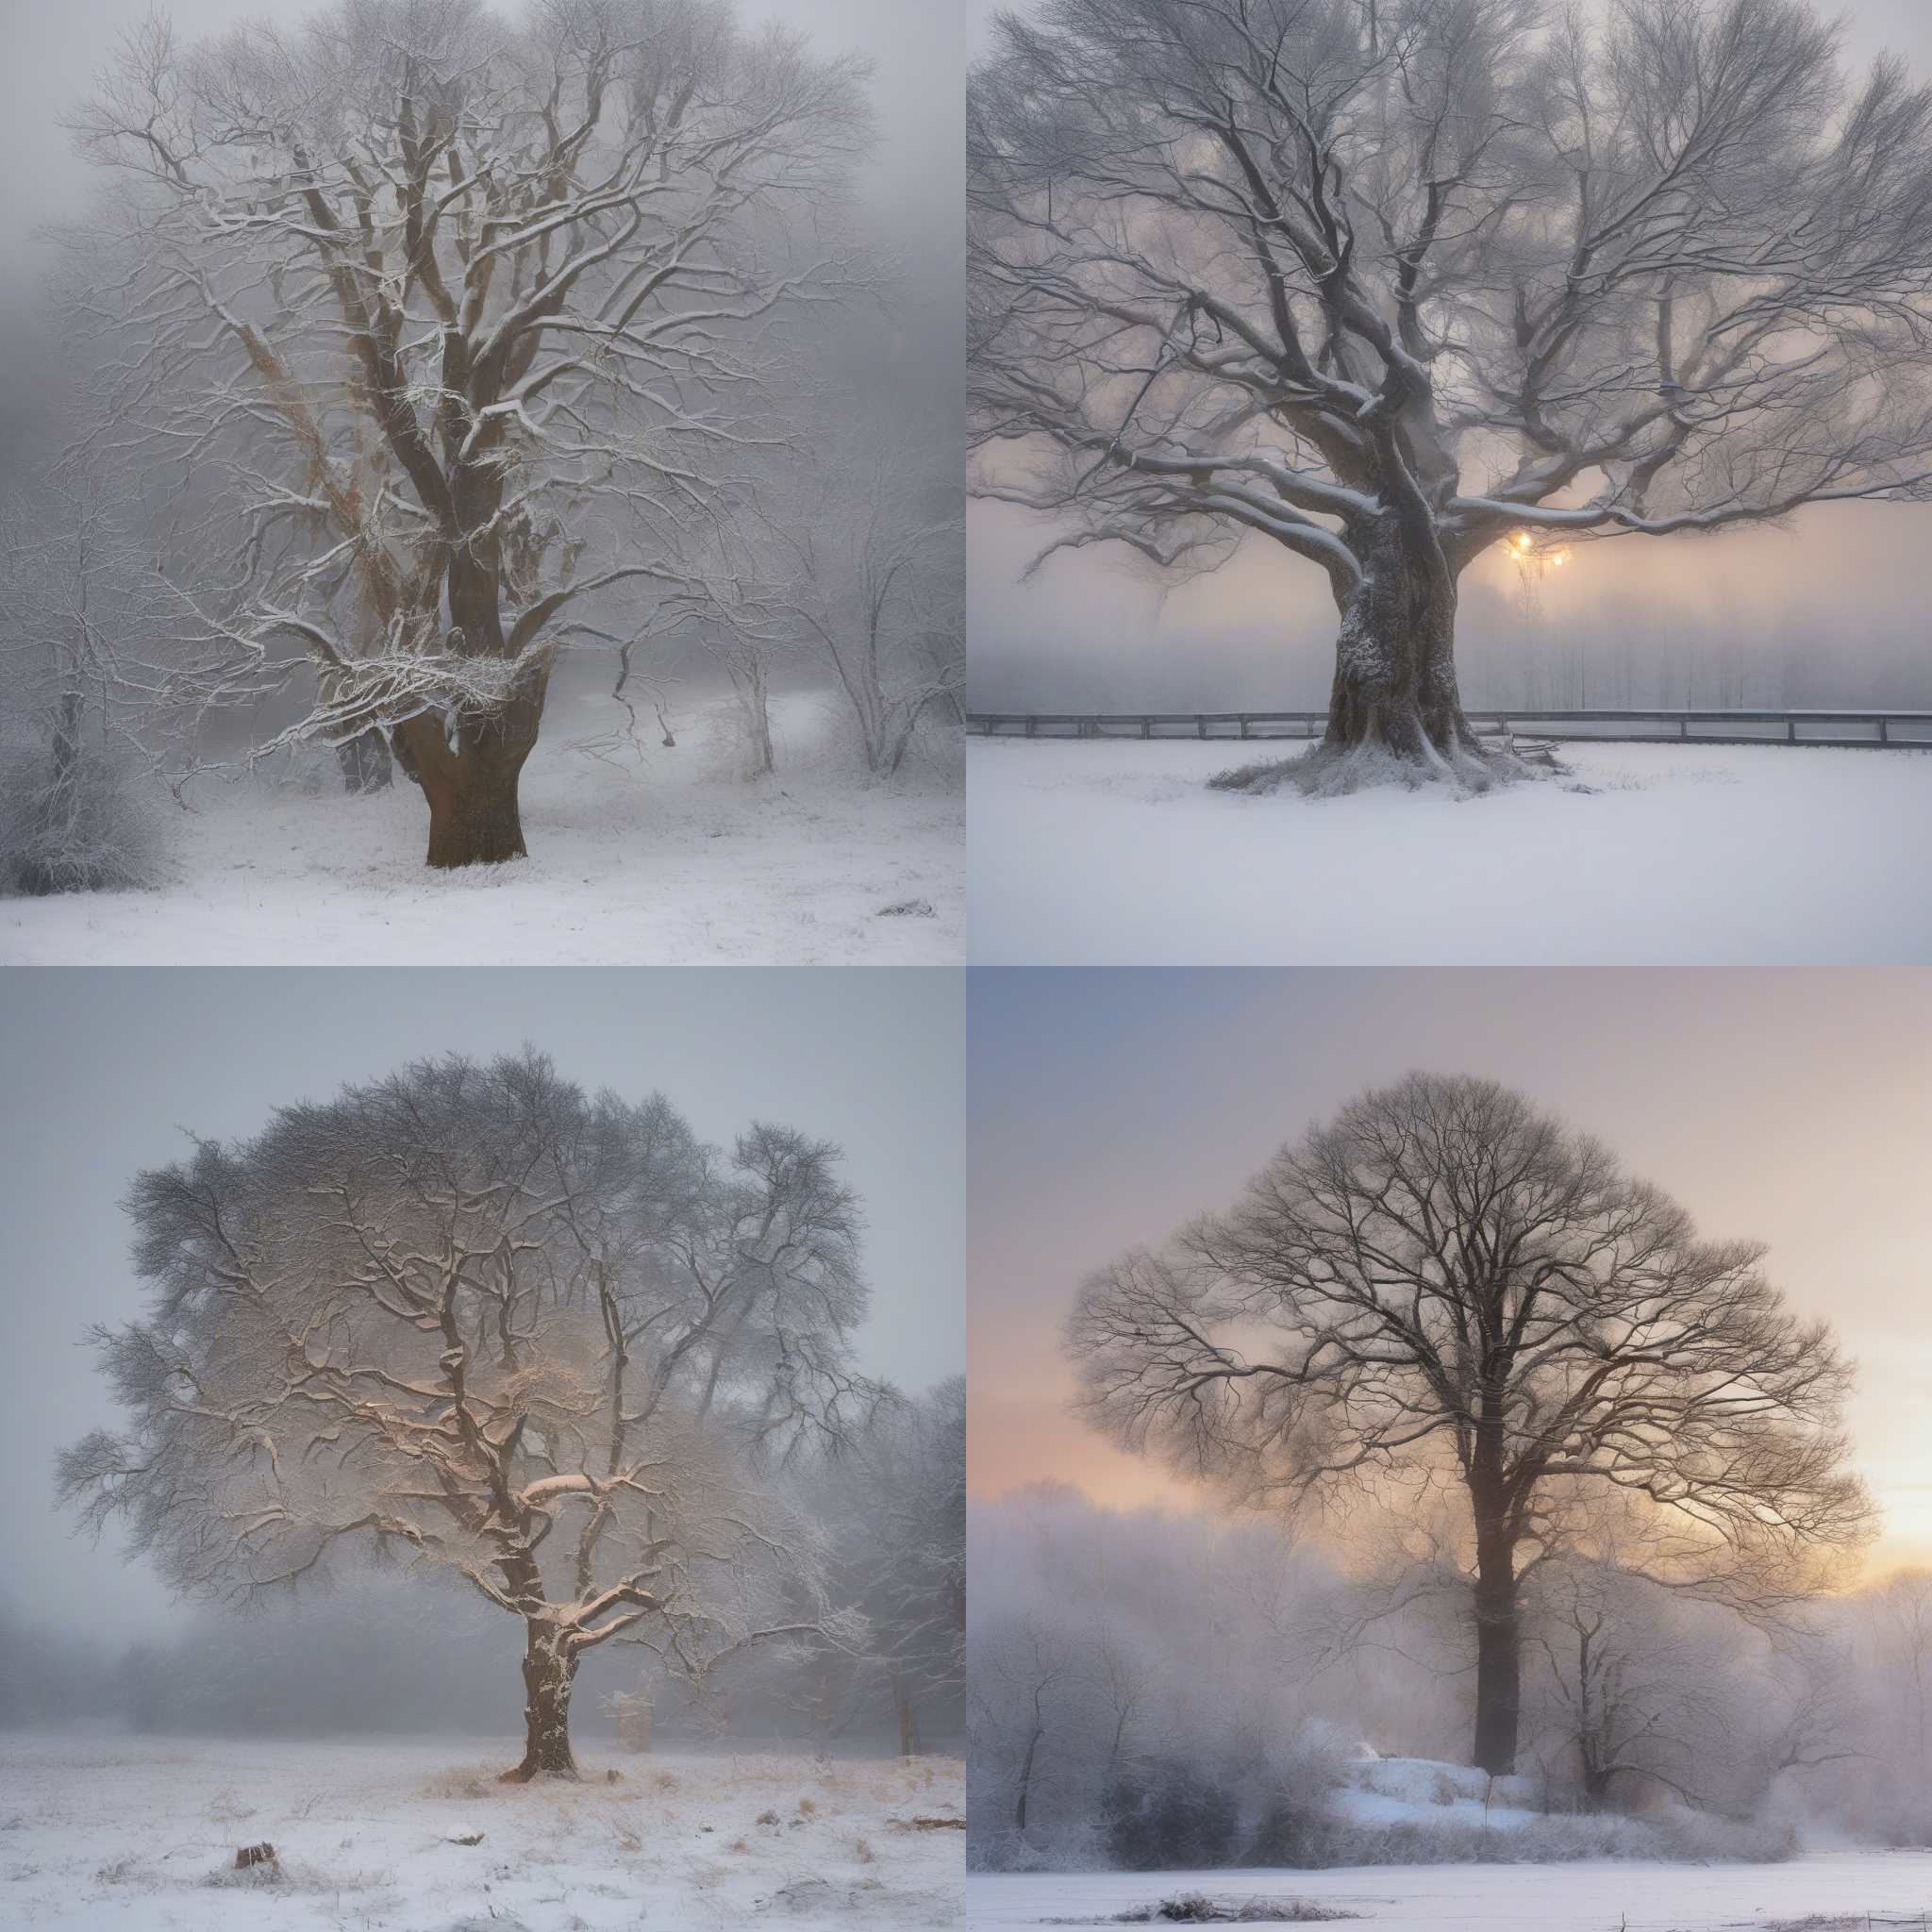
[
  {"x": 113, "y": 1067},
  {"x": 1790, "y": 1107}
]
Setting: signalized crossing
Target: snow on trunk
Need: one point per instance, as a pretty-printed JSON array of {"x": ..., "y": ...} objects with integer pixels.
[{"x": 550, "y": 1669}]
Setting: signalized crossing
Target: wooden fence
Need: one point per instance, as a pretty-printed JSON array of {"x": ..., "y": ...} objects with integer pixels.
[{"x": 1896, "y": 730}]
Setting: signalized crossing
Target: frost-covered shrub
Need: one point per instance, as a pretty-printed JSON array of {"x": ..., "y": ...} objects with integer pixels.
[
  {"x": 1170, "y": 1815},
  {"x": 1680, "y": 1835},
  {"x": 82, "y": 823}
]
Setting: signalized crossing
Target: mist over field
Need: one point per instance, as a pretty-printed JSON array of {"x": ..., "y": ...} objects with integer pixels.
[
  {"x": 1446, "y": 1443},
  {"x": 586, "y": 1482},
  {"x": 417, "y": 414}
]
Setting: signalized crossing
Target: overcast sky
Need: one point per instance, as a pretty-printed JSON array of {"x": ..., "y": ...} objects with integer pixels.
[
  {"x": 913, "y": 185},
  {"x": 111, "y": 1068},
  {"x": 56, "y": 47},
  {"x": 1789, "y": 1107}
]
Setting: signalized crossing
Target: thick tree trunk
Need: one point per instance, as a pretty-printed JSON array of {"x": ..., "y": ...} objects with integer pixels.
[
  {"x": 1394, "y": 686},
  {"x": 1498, "y": 1654},
  {"x": 472, "y": 785},
  {"x": 548, "y": 1672},
  {"x": 1394, "y": 709}
]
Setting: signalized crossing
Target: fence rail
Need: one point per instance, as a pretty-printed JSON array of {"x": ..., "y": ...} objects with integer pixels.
[{"x": 1892, "y": 729}]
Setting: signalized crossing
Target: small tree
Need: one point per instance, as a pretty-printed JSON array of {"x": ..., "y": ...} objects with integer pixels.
[
  {"x": 471, "y": 317},
  {"x": 1447, "y": 1285},
  {"x": 1391, "y": 283},
  {"x": 872, "y": 580},
  {"x": 1901, "y": 1613},
  {"x": 1628, "y": 1700},
  {"x": 905, "y": 1556},
  {"x": 538, "y": 1341},
  {"x": 78, "y": 599}
]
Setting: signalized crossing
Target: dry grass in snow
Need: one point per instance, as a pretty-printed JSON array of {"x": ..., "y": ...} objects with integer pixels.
[
  {"x": 670, "y": 857},
  {"x": 129, "y": 1835}
]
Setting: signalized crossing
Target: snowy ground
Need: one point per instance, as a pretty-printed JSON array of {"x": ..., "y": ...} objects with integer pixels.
[
  {"x": 1115, "y": 854},
  {"x": 667, "y": 860},
  {"x": 1824, "y": 1889},
  {"x": 140, "y": 1835}
]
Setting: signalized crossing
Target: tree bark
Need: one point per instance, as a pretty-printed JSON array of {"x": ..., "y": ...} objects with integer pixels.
[
  {"x": 1394, "y": 687},
  {"x": 470, "y": 786},
  {"x": 1498, "y": 1653},
  {"x": 549, "y": 1670},
  {"x": 1394, "y": 706}
]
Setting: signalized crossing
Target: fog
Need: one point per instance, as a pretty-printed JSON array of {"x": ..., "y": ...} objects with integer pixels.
[
  {"x": 1212, "y": 1629},
  {"x": 1332, "y": 1671},
  {"x": 912, "y": 183},
  {"x": 249, "y": 542},
  {"x": 126, "y": 1066},
  {"x": 1826, "y": 611}
]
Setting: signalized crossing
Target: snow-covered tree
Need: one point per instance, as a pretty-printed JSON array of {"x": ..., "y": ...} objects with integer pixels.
[
  {"x": 542, "y": 1343},
  {"x": 468, "y": 319},
  {"x": 1899, "y": 1611},
  {"x": 1446, "y": 1288},
  {"x": 1392, "y": 284},
  {"x": 79, "y": 604},
  {"x": 906, "y": 1552},
  {"x": 871, "y": 579}
]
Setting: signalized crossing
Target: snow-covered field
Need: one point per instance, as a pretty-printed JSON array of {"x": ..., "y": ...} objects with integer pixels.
[
  {"x": 138, "y": 1835},
  {"x": 668, "y": 861},
  {"x": 1116, "y": 854},
  {"x": 1824, "y": 1889}
]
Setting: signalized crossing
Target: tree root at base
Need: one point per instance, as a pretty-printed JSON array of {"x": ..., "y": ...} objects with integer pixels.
[{"x": 1326, "y": 771}]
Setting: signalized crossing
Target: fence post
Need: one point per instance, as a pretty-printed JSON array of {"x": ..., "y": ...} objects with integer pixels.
[
  {"x": 1791, "y": 731},
  {"x": 1200, "y": 724},
  {"x": 1244, "y": 723},
  {"x": 1031, "y": 723},
  {"x": 1884, "y": 734},
  {"x": 1146, "y": 727}
]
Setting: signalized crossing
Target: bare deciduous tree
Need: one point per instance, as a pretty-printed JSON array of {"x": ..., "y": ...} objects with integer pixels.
[
  {"x": 1628, "y": 1699},
  {"x": 78, "y": 602},
  {"x": 1901, "y": 1613},
  {"x": 871, "y": 581},
  {"x": 1392, "y": 282},
  {"x": 910, "y": 1565},
  {"x": 474, "y": 319},
  {"x": 538, "y": 1341},
  {"x": 1445, "y": 1285}
]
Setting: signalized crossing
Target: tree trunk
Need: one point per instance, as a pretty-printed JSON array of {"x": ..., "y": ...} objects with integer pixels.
[
  {"x": 472, "y": 785},
  {"x": 1498, "y": 1654},
  {"x": 548, "y": 1672},
  {"x": 1394, "y": 709},
  {"x": 1395, "y": 687},
  {"x": 66, "y": 738},
  {"x": 1026, "y": 1791}
]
